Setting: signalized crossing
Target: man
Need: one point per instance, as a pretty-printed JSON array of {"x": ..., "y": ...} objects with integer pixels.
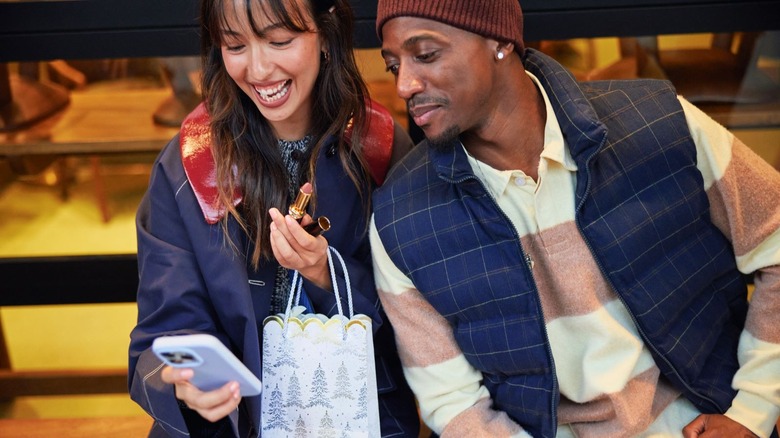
[{"x": 565, "y": 259}]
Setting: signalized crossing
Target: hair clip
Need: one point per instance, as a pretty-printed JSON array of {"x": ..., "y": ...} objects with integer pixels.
[{"x": 322, "y": 6}]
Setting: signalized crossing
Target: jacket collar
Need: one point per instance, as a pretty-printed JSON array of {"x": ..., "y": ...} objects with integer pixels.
[
  {"x": 200, "y": 168},
  {"x": 199, "y": 165}
]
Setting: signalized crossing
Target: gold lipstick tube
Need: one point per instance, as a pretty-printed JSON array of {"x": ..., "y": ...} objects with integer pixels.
[{"x": 298, "y": 208}]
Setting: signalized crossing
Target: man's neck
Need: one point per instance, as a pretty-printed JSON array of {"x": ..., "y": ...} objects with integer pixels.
[{"x": 514, "y": 139}]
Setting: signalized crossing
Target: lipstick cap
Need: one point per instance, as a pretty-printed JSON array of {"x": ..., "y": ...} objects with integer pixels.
[{"x": 318, "y": 227}]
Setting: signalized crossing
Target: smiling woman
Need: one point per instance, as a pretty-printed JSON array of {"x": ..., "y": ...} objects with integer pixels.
[{"x": 284, "y": 108}]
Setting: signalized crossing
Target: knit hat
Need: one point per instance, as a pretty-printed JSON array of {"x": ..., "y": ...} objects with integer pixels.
[{"x": 501, "y": 20}]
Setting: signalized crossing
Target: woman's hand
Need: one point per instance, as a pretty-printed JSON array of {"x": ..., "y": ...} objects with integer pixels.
[
  {"x": 212, "y": 405},
  {"x": 296, "y": 249}
]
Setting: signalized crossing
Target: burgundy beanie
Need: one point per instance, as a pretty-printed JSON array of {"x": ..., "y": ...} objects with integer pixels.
[{"x": 501, "y": 20}]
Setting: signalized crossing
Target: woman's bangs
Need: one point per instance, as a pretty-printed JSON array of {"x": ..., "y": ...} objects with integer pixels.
[
  {"x": 289, "y": 14},
  {"x": 224, "y": 16},
  {"x": 228, "y": 14}
]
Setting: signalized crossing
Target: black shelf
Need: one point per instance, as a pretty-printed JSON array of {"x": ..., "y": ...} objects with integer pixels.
[
  {"x": 87, "y": 29},
  {"x": 68, "y": 280}
]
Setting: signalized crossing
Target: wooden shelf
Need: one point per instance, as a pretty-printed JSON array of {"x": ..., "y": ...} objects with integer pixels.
[
  {"x": 116, "y": 427},
  {"x": 62, "y": 382},
  {"x": 96, "y": 121}
]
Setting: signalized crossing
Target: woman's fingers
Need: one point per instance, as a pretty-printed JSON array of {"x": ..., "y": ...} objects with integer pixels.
[
  {"x": 176, "y": 375},
  {"x": 211, "y": 405},
  {"x": 216, "y": 404},
  {"x": 281, "y": 240},
  {"x": 293, "y": 247}
]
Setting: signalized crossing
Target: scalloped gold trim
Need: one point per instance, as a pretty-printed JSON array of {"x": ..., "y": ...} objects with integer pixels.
[{"x": 359, "y": 319}]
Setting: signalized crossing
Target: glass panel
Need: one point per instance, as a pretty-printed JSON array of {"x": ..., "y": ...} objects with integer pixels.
[
  {"x": 87, "y": 130},
  {"x": 77, "y": 139},
  {"x": 731, "y": 76}
]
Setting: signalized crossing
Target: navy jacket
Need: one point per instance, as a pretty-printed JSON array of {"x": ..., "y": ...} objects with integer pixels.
[
  {"x": 192, "y": 281},
  {"x": 640, "y": 206}
]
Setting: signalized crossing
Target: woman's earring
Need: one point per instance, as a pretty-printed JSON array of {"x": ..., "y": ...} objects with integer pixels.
[
  {"x": 326, "y": 56},
  {"x": 500, "y": 55}
]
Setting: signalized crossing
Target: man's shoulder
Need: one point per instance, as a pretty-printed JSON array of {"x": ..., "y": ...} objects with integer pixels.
[
  {"x": 640, "y": 99},
  {"x": 643, "y": 86},
  {"x": 409, "y": 171}
]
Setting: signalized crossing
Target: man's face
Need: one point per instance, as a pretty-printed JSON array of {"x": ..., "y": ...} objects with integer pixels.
[{"x": 444, "y": 74}]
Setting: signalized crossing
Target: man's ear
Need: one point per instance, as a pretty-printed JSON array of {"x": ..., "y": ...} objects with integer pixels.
[{"x": 503, "y": 49}]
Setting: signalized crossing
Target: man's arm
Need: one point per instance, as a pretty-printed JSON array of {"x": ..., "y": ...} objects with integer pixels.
[
  {"x": 743, "y": 191},
  {"x": 453, "y": 402}
]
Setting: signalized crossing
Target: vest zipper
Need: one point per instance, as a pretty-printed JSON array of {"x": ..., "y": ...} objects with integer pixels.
[{"x": 529, "y": 263}]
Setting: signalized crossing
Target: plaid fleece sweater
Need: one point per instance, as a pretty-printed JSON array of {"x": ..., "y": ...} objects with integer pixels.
[{"x": 609, "y": 383}]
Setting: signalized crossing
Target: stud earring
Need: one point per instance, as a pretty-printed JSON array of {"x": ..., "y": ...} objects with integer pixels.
[{"x": 500, "y": 56}]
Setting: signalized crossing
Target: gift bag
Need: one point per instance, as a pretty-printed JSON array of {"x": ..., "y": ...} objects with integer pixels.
[{"x": 319, "y": 378}]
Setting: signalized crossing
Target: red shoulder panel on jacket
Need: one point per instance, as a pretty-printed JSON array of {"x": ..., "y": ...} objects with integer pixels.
[
  {"x": 198, "y": 161},
  {"x": 377, "y": 140}
]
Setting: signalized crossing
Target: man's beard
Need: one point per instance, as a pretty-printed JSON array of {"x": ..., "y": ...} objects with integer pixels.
[{"x": 444, "y": 142}]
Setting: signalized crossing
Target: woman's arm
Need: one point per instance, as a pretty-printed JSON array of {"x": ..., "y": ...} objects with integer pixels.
[{"x": 172, "y": 298}]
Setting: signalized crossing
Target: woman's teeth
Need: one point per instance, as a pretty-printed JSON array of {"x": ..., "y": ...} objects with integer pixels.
[{"x": 275, "y": 93}]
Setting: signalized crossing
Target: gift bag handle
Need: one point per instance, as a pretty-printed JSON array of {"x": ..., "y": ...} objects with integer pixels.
[
  {"x": 336, "y": 284},
  {"x": 297, "y": 283}
]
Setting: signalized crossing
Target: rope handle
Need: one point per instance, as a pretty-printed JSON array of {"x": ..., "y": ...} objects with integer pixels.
[{"x": 297, "y": 284}]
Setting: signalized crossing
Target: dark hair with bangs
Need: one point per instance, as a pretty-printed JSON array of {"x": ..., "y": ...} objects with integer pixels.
[{"x": 244, "y": 146}]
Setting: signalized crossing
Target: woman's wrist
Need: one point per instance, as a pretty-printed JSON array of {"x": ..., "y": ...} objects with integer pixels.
[{"x": 319, "y": 275}]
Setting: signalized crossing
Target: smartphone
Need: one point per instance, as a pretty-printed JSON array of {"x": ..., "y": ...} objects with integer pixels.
[{"x": 213, "y": 363}]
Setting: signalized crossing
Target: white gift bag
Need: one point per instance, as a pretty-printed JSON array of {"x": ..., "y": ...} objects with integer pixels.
[{"x": 319, "y": 378}]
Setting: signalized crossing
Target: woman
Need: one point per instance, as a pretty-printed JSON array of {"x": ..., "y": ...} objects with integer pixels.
[{"x": 284, "y": 106}]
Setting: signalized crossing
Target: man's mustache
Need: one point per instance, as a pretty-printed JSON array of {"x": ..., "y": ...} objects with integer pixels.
[{"x": 419, "y": 100}]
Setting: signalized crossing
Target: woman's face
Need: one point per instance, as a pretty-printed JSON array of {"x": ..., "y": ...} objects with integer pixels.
[{"x": 276, "y": 70}]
